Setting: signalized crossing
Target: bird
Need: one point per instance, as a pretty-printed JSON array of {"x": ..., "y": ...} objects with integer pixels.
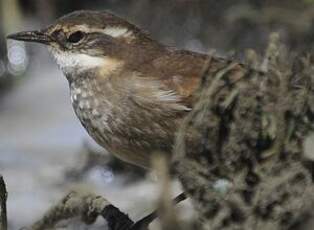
[{"x": 129, "y": 91}]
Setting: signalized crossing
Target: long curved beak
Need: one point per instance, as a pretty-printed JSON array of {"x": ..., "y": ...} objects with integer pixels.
[{"x": 38, "y": 36}]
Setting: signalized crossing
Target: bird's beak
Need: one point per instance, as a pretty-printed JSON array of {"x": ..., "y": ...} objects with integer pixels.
[{"x": 39, "y": 36}]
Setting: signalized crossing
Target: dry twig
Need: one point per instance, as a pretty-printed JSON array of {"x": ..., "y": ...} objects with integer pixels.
[
  {"x": 87, "y": 206},
  {"x": 3, "y": 206}
]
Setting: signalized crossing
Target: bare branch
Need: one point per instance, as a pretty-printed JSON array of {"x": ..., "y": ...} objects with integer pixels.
[
  {"x": 88, "y": 207},
  {"x": 3, "y": 207}
]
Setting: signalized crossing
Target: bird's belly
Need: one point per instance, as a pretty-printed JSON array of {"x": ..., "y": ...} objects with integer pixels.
[{"x": 130, "y": 141}]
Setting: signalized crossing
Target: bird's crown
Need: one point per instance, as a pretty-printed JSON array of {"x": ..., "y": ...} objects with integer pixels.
[{"x": 82, "y": 28}]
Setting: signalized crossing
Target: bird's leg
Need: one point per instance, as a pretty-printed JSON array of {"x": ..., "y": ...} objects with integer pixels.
[{"x": 143, "y": 223}]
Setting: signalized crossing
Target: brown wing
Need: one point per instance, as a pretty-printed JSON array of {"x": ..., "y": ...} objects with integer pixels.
[{"x": 181, "y": 71}]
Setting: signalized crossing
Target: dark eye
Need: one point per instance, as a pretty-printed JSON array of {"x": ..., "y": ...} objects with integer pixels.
[{"x": 76, "y": 37}]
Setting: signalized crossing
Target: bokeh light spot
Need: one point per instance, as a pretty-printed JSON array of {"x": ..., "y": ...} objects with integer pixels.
[{"x": 17, "y": 57}]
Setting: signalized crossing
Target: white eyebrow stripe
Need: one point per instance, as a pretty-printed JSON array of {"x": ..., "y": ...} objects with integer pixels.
[
  {"x": 117, "y": 32},
  {"x": 113, "y": 31}
]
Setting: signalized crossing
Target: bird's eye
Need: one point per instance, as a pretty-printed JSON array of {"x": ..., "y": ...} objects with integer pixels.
[{"x": 76, "y": 37}]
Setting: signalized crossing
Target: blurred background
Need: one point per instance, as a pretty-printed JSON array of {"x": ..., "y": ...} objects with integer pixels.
[{"x": 44, "y": 151}]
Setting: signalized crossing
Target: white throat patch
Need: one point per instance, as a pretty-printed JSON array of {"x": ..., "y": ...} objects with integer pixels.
[{"x": 70, "y": 62}]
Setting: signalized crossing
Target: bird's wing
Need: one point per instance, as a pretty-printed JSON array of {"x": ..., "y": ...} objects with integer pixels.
[{"x": 181, "y": 72}]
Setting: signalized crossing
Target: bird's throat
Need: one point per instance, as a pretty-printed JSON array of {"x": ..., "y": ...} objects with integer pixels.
[{"x": 75, "y": 63}]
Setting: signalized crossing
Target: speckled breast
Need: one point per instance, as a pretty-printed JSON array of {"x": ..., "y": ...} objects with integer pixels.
[
  {"x": 92, "y": 115},
  {"x": 116, "y": 121}
]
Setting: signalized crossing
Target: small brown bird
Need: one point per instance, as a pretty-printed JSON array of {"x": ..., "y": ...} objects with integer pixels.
[{"x": 129, "y": 91}]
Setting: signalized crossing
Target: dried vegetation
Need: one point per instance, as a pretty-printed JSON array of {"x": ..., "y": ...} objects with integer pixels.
[{"x": 248, "y": 135}]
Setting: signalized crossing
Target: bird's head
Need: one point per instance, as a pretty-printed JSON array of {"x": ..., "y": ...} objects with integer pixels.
[{"x": 84, "y": 40}]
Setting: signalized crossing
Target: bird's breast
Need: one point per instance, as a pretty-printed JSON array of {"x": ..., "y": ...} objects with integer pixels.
[
  {"x": 129, "y": 128},
  {"x": 92, "y": 110}
]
